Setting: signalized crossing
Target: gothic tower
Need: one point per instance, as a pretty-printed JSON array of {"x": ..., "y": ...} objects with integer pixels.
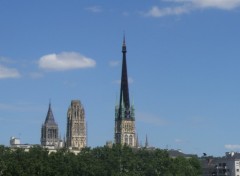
[
  {"x": 124, "y": 112},
  {"x": 49, "y": 132},
  {"x": 76, "y": 126}
]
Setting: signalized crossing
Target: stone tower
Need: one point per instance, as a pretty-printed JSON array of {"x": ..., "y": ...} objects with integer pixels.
[
  {"x": 49, "y": 132},
  {"x": 124, "y": 112},
  {"x": 76, "y": 126}
]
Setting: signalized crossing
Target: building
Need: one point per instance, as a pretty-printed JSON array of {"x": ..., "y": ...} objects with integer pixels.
[
  {"x": 49, "y": 132},
  {"x": 221, "y": 166},
  {"x": 14, "y": 141},
  {"x": 125, "y": 132},
  {"x": 76, "y": 126}
]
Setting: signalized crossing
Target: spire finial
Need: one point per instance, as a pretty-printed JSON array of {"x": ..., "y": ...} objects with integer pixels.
[
  {"x": 50, "y": 103},
  {"x": 124, "y": 48}
]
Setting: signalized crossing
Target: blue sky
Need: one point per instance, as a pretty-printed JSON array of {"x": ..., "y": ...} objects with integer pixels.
[{"x": 183, "y": 65}]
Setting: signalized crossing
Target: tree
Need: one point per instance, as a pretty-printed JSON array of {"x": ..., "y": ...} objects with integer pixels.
[{"x": 100, "y": 161}]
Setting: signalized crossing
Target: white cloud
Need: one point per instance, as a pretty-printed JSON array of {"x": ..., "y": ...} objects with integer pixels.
[
  {"x": 94, "y": 9},
  {"x": 65, "y": 61},
  {"x": 220, "y": 4},
  {"x": 160, "y": 12},
  {"x": 232, "y": 146},
  {"x": 8, "y": 72},
  {"x": 186, "y": 6}
]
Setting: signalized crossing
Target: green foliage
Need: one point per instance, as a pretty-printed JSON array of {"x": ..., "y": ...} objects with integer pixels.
[
  {"x": 182, "y": 166},
  {"x": 99, "y": 161}
]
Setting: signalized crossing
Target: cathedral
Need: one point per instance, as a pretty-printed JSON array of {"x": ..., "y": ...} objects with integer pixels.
[
  {"x": 49, "y": 132},
  {"x": 125, "y": 133},
  {"x": 76, "y": 126},
  {"x": 76, "y": 137}
]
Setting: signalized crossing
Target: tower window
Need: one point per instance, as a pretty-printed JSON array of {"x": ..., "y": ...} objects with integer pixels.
[
  {"x": 130, "y": 140},
  {"x": 126, "y": 139}
]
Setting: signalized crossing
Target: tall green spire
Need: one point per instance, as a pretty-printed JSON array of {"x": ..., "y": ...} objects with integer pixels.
[
  {"x": 124, "y": 113},
  {"x": 124, "y": 92}
]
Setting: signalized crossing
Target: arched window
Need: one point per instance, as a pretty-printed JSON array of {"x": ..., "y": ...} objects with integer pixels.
[
  {"x": 126, "y": 139},
  {"x": 130, "y": 140}
]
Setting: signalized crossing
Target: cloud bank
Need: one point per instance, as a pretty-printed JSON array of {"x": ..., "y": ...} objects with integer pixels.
[
  {"x": 185, "y": 6},
  {"x": 232, "y": 147},
  {"x": 65, "y": 61},
  {"x": 6, "y": 72},
  {"x": 220, "y": 4}
]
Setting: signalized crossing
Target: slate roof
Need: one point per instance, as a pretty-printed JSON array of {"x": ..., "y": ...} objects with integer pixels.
[{"x": 50, "y": 118}]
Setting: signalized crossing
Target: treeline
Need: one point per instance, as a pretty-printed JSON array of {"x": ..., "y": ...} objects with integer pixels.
[{"x": 99, "y": 161}]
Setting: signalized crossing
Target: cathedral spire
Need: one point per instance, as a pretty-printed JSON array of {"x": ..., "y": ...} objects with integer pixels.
[
  {"x": 49, "y": 131},
  {"x": 124, "y": 113},
  {"x": 50, "y": 118},
  {"x": 124, "y": 93}
]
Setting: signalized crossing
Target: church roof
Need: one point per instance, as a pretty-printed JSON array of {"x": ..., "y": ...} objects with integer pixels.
[{"x": 50, "y": 118}]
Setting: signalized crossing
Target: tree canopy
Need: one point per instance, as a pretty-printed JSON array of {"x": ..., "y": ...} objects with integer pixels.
[{"x": 99, "y": 161}]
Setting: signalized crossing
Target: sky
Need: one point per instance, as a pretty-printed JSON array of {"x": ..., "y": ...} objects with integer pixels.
[{"x": 183, "y": 60}]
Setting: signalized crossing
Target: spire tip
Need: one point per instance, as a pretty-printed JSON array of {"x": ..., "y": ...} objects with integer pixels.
[
  {"x": 124, "y": 40},
  {"x": 50, "y": 102}
]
